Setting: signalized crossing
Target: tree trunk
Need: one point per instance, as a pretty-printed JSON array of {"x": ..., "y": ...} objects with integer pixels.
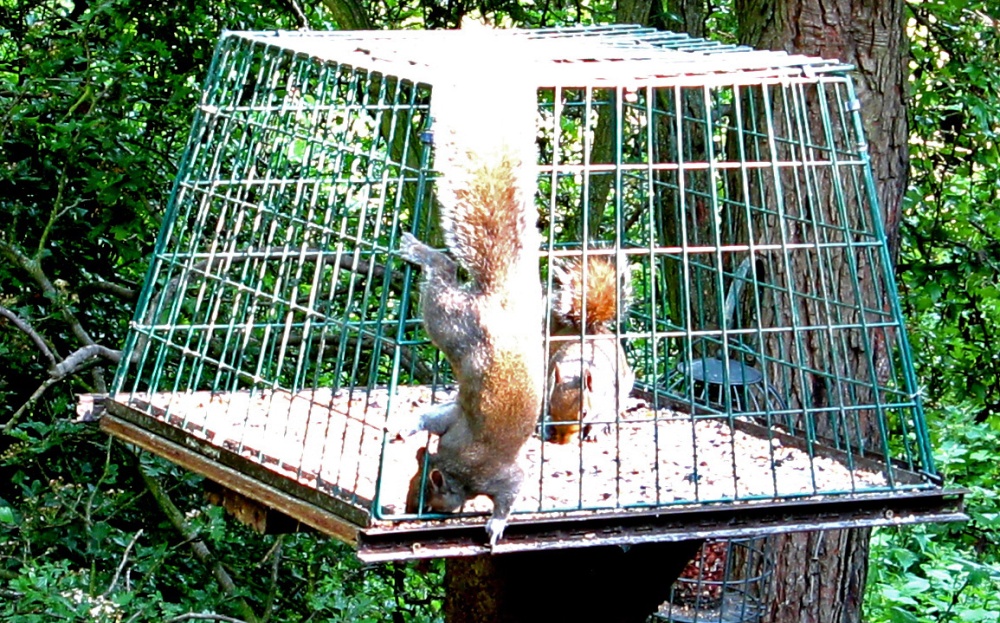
[
  {"x": 820, "y": 576},
  {"x": 603, "y": 147},
  {"x": 869, "y": 35},
  {"x": 685, "y": 16}
]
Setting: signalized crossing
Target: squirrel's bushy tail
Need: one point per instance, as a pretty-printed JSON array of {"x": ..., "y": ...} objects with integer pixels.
[
  {"x": 591, "y": 301},
  {"x": 484, "y": 149},
  {"x": 488, "y": 215}
]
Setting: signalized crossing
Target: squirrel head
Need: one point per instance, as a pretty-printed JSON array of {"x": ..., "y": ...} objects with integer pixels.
[
  {"x": 441, "y": 494},
  {"x": 569, "y": 402}
]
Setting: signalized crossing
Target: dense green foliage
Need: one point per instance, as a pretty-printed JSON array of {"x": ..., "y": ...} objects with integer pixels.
[
  {"x": 948, "y": 270},
  {"x": 95, "y": 101}
]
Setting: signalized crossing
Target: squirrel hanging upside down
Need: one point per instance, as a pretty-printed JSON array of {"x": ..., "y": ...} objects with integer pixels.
[
  {"x": 489, "y": 329},
  {"x": 589, "y": 377}
]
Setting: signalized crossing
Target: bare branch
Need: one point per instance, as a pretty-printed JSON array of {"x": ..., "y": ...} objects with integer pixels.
[
  {"x": 121, "y": 565},
  {"x": 56, "y": 210},
  {"x": 12, "y": 422},
  {"x": 77, "y": 358},
  {"x": 26, "y": 328},
  {"x": 34, "y": 269},
  {"x": 299, "y": 14},
  {"x": 58, "y": 372},
  {"x": 272, "y": 591},
  {"x": 125, "y": 293}
]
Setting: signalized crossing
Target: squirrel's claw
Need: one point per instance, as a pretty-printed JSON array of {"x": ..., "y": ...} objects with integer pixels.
[
  {"x": 408, "y": 246},
  {"x": 494, "y": 528},
  {"x": 404, "y": 425}
]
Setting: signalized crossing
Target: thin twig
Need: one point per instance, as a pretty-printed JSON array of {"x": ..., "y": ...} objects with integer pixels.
[
  {"x": 56, "y": 212},
  {"x": 201, "y": 551},
  {"x": 34, "y": 270},
  {"x": 63, "y": 369},
  {"x": 12, "y": 422},
  {"x": 272, "y": 590},
  {"x": 123, "y": 292},
  {"x": 299, "y": 14},
  {"x": 121, "y": 565}
]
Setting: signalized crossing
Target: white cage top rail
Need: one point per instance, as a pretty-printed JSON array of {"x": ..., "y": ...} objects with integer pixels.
[{"x": 574, "y": 57}]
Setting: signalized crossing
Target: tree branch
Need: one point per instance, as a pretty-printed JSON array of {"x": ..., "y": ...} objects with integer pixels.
[
  {"x": 299, "y": 14},
  {"x": 29, "y": 403},
  {"x": 77, "y": 358},
  {"x": 121, "y": 565},
  {"x": 201, "y": 551},
  {"x": 34, "y": 269},
  {"x": 348, "y": 14},
  {"x": 272, "y": 591},
  {"x": 58, "y": 370},
  {"x": 123, "y": 292},
  {"x": 28, "y": 330}
]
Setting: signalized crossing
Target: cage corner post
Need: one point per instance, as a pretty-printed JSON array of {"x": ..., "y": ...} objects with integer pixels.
[{"x": 612, "y": 584}]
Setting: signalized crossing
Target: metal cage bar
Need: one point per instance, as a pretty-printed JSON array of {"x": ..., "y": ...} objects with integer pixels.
[{"x": 277, "y": 328}]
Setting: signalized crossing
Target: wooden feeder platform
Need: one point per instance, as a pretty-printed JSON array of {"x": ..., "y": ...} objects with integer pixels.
[{"x": 299, "y": 455}]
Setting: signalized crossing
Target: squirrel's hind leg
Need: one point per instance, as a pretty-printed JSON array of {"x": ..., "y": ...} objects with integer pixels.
[{"x": 416, "y": 252}]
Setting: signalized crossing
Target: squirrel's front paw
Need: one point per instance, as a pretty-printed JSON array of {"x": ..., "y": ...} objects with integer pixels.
[
  {"x": 436, "y": 420},
  {"x": 404, "y": 425}
]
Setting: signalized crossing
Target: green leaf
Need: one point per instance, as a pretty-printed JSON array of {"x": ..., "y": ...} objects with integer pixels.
[
  {"x": 898, "y": 615},
  {"x": 7, "y": 515}
]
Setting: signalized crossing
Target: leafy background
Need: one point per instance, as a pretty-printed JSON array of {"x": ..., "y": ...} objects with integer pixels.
[{"x": 95, "y": 102}]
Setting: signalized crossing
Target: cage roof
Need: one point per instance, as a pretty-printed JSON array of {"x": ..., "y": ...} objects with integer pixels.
[{"x": 600, "y": 56}]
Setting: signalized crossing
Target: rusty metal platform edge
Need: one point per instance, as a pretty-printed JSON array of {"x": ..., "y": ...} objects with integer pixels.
[
  {"x": 625, "y": 528},
  {"x": 277, "y": 498}
]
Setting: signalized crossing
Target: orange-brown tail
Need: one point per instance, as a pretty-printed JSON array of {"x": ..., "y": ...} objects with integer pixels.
[{"x": 590, "y": 301}]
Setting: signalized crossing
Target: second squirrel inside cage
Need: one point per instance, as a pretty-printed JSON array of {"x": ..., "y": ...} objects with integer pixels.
[{"x": 589, "y": 376}]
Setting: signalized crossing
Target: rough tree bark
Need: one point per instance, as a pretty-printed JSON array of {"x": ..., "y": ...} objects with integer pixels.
[
  {"x": 870, "y": 35},
  {"x": 602, "y": 150},
  {"x": 820, "y": 576}
]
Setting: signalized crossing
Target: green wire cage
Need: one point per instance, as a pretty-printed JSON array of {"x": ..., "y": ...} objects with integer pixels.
[{"x": 277, "y": 329}]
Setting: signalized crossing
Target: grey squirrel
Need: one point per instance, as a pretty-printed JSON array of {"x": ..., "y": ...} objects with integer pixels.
[
  {"x": 489, "y": 329},
  {"x": 589, "y": 376}
]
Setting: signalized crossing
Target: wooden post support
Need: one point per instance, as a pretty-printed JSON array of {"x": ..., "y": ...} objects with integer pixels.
[{"x": 607, "y": 584}]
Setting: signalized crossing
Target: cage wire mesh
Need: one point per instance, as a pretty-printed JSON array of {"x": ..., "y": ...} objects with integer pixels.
[
  {"x": 728, "y": 581},
  {"x": 277, "y": 326}
]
